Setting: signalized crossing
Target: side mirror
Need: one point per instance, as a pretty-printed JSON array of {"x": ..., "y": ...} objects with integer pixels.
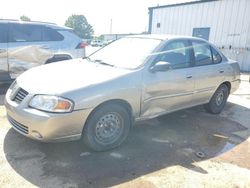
[{"x": 160, "y": 66}]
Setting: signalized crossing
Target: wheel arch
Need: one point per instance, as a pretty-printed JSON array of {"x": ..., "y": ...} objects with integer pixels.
[
  {"x": 228, "y": 84},
  {"x": 120, "y": 102}
]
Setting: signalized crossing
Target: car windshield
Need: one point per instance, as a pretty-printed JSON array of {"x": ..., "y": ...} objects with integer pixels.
[{"x": 127, "y": 53}]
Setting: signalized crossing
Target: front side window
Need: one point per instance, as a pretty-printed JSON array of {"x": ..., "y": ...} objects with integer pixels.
[
  {"x": 25, "y": 33},
  {"x": 177, "y": 53},
  {"x": 202, "y": 53},
  {"x": 3, "y": 33}
]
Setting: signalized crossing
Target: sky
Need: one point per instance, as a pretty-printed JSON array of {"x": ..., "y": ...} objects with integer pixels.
[{"x": 128, "y": 16}]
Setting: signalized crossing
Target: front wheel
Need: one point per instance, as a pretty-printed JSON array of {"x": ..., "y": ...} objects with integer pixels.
[
  {"x": 218, "y": 100},
  {"x": 107, "y": 127}
]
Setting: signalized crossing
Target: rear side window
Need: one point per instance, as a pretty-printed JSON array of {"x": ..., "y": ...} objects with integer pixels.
[
  {"x": 202, "y": 53},
  {"x": 177, "y": 53},
  {"x": 25, "y": 33},
  {"x": 51, "y": 35},
  {"x": 216, "y": 56},
  {"x": 3, "y": 33}
]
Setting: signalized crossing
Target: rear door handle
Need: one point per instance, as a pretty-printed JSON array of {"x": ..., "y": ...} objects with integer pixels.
[
  {"x": 221, "y": 71},
  {"x": 189, "y": 76}
]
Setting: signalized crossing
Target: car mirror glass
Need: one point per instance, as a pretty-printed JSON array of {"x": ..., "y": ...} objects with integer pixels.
[{"x": 160, "y": 66}]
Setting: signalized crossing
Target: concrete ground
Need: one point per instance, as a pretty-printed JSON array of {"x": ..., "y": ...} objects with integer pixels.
[{"x": 189, "y": 148}]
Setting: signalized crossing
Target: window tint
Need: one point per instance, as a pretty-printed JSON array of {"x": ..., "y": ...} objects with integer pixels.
[
  {"x": 25, "y": 33},
  {"x": 216, "y": 56},
  {"x": 51, "y": 35},
  {"x": 3, "y": 33},
  {"x": 177, "y": 53},
  {"x": 202, "y": 53}
]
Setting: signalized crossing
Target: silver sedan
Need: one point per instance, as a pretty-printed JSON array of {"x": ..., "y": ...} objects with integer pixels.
[{"x": 134, "y": 78}]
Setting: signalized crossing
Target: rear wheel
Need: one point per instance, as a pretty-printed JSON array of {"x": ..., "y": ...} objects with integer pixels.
[
  {"x": 218, "y": 101},
  {"x": 107, "y": 127}
]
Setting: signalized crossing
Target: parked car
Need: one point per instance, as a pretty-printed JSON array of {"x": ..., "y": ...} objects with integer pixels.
[
  {"x": 107, "y": 42},
  {"x": 134, "y": 78},
  {"x": 28, "y": 44},
  {"x": 97, "y": 43}
]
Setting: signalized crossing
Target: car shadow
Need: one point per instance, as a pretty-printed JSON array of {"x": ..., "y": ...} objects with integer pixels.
[{"x": 179, "y": 138}]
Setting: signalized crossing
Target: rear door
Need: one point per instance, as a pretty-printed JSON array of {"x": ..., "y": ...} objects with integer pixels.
[
  {"x": 209, "y": 71},
  {"x": 52, "y": 40},
  {"x": 3, "y": 52}
]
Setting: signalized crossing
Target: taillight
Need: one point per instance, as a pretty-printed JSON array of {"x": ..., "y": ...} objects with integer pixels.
[{"x": 81, "y": 45}]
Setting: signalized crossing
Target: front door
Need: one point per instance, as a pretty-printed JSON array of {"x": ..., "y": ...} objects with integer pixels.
[
  {"x": 170, "y": 90},
  {"x": 3, "y": 51}
]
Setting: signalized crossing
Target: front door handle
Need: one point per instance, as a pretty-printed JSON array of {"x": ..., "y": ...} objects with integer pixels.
[
  {"x": 189, "y": 76},
  {"x": 221, "y": 71}
]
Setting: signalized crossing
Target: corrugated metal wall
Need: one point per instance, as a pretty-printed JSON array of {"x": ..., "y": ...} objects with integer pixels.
[{"x": 228, "y": 20}]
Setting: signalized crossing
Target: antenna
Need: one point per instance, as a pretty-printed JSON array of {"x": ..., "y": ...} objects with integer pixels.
[{"x": 110, "y": 31}]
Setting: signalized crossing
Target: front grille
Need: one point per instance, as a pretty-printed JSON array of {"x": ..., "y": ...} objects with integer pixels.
[
  {"x": 20, "y": 95},
  {"x": 22, "y": 128}
]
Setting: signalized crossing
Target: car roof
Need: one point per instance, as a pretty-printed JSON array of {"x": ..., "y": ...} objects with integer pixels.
[
  {"x": 163, "y": 37},
  {"x": 48, "y": 24}
]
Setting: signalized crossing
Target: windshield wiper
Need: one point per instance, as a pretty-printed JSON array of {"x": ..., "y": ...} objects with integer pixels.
[
  {"x": 88, "y": 58},
  {"x": 102, "y": 62},
  {"x": 97, "y": 61}
]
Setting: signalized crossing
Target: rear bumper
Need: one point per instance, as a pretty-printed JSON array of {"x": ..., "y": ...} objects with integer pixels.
[{"x": 235, "y": 85}]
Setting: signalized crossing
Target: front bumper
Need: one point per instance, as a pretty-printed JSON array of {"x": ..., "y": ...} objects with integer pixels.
[{"x": 44, "y": 126}]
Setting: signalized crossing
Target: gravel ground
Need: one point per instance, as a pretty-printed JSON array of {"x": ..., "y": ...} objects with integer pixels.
[{"x": 162, "y": 152}]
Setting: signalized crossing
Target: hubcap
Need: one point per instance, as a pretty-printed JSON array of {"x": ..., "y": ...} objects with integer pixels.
[
  {"x": 109, "y": 128},
  {"x": 219, "y": 98}
]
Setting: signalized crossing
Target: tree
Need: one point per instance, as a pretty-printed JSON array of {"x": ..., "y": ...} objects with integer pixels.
[
  {"x": 80, "y": 25},
  {"x": 25, "y": 18}
]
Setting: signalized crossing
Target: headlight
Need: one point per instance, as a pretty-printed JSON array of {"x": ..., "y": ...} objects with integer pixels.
[{"x": 51, "y": 103}]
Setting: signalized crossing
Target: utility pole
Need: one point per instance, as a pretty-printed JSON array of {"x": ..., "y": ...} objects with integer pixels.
[{"x": 110, "y": 31}]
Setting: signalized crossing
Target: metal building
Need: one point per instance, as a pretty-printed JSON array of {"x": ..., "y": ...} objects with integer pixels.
[
  {"x": 108, "y": 37},
  {"x": 226, "y": 23}
]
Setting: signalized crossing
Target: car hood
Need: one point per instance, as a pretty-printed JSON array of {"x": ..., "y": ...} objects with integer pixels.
[{"x": 60, "y": 77}]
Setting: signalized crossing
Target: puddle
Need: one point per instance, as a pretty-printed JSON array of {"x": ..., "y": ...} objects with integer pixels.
[{"x": 228, "y": 146}]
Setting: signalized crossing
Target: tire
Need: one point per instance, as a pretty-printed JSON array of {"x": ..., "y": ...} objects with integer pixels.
[
  {"x": 218, "y": 100},
  {"x": 107, "y": 127}
]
